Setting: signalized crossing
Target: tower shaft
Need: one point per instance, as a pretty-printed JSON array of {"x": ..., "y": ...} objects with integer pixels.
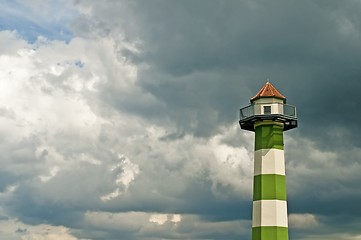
[{"x": 269, "y": 187}]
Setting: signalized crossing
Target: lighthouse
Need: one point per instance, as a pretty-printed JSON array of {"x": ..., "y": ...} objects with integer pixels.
[{"x": 269, "y": 116}]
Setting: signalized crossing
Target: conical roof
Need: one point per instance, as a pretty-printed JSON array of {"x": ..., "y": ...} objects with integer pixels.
[{"x": 268, "y": 91}]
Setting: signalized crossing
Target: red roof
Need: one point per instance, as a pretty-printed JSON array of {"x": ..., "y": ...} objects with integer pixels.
[{"x": 268, "y": 91}]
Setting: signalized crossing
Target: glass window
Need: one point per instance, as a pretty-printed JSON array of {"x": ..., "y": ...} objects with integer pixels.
[{"x": 267, "y": 109}]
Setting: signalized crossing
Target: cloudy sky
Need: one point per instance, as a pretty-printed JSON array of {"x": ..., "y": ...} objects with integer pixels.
[{"x": 119, "y": 119}]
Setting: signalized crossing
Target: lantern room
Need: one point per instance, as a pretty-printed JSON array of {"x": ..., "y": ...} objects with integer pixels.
[{"x": 268, "y": 105}]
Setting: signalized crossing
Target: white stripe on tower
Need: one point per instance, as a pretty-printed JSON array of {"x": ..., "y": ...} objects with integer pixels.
[
  {"x": 270, "y": 213},
  {"x": 269, "y": 161}
]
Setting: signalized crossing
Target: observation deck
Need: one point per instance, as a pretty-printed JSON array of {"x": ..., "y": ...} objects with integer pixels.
[{"x": 273, "y": 111}]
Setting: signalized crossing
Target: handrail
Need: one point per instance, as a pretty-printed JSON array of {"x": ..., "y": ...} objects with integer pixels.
[{"x": 249, "y": 111}]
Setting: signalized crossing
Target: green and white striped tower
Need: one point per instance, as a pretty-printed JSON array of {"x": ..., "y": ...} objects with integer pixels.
[{"x": 268, "y": 116}]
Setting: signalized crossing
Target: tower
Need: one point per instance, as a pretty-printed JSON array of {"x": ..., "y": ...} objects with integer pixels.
[{"x": 269, "y": 116}]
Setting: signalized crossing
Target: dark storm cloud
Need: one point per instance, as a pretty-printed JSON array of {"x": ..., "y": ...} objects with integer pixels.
[{"x": 210, "y": 56}]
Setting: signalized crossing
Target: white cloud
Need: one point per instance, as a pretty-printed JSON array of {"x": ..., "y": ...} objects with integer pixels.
[
  {"x": 54, "y": 106},
  {"x": 128, "y": 171},
  {"x": 164, "y": 225},
  {"x": 29, "y": 91},
  {"x": 10, "y": 42},
  {"x": 303, "y": 221},
  {"x": 53, "y": 172},
  {"x": 231, "y": 166},
  {"x": 13, "y": 229},
  {"x": 158, "y": 218},
  {"x": 126, "y": 174},
  {"x": 161, "y": 219},
  {"x": 176, "y": 218}
]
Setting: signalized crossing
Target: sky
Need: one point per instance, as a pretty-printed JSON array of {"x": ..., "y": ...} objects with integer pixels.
[{"x": 119, "y": 119}]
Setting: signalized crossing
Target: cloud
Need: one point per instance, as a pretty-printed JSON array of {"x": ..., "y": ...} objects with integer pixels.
[
  {"x": 167, "y": 226},
  {"x": 134, "y": 117},
  {"x": 205, "y": 57},
  {"x": 14, "y": 229},
  {"x": 70, "y": 150},
  {"x": 158, "y": 218},
  {"x": 125, "y": 177},
  {"x": 49, "y": 115},
  {"x": 302, "y": 221}
]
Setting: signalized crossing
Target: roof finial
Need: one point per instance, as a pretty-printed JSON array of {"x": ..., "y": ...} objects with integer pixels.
[{"x": 267, "y": 80}]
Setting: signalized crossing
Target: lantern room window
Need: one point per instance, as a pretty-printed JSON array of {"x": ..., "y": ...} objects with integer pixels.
[{"x": 267, "y": 110}]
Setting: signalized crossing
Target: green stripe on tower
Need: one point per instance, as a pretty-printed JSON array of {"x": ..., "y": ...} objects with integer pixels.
[
  {"x": 269, "y": 186},
  {"x": 270, "y": 233},
  {"x": 269, "y": 136},
  {"x": 269, "y": 190}
]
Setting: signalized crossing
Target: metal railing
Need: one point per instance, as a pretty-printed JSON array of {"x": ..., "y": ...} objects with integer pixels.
[
  {"x": 249, "y": 111},
  {"x": 289, "y": 110}
]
